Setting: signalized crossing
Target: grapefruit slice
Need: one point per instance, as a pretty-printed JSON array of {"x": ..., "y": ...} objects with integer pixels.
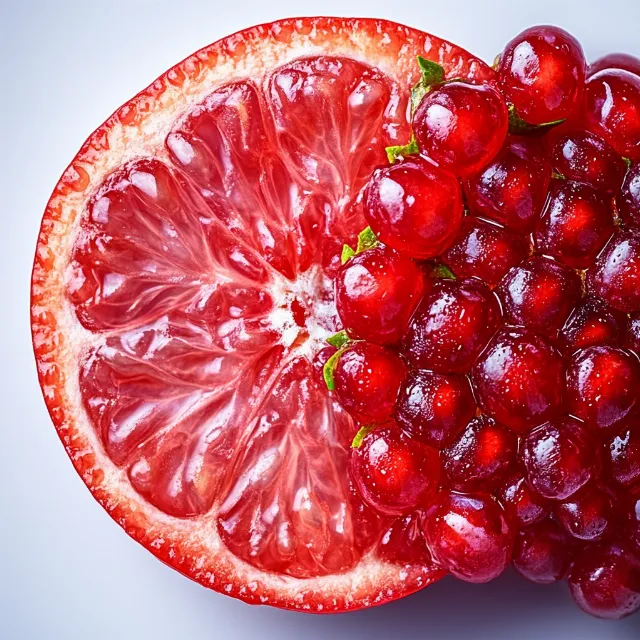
[{"x": 181, "y": 287}]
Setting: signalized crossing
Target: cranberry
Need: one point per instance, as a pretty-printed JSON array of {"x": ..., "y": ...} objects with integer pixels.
[
  {"x": 629, "y": 198},
  {"x": 616, "y": 274},
  {"x": 461, "y": 126},
  {"x": 414, "y": 207},
  {"x": 319, "y": 360},
  {"x": 542, "y": 553},
  {"x": 605, "y": 582},
  {"x": 592, "y": 323},
  {"x": 615, "y": 61},
  {"x": 519, "y": 379},
  {"x": 602, "y": 385},
  {"x": 513, "y": 188},
  {"x": 394, "y": 474},
  {"x": 559, "y": 458},
  {"x": 542, "y": 74},
  {"x": 539, "y": 294},
  {"x": 622, "y": 457},
  {"x": 452, "y": 326},
  {"x": 434, "y": 408},
  {"x": 469, "y": 536},
  {"x": 521, "y": 504},
  {"x": 484, "y": 250},
  {"x": 584, "y": 157},
  {"x": 589, "y": 514},
  {"x": 480, "y": 458},
  {"x": 377, "y": 293},
  {"x": 612, "y": 109},
  {"x": 576, "y": 224},
  {"x": 404, "y": 542},
  {"x": 633, "y": 333},
  {"x": 367, "y": 379}
]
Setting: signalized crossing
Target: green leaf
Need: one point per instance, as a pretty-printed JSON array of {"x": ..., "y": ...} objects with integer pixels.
[
  {"x": 519, "y": 126},
  {"x": 402, "y": 151},
  {"x": 347, "y": 253},
  {"x": 418, "y": 92},
  {"x": 339, "y": 340},
  {"x": 361, "y": 435},
  {"x": 329, "y": 369},
  {"x": 366, "y": 240},
  {"x": 442, "y": 271},
  {"x": 628, "y": 161},
  {"x": 432, "y": 72}
]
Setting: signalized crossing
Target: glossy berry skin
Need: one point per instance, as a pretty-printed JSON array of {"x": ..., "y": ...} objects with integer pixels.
[
  {"x": 629, "y": 198},
  {"x": 519, "y": 379},
  {"x": 452, "y": 326},
  {"x": 404, "y": 542},
  {"x": 592, "y": 323},
  {"x": 559, "y": 458},
  {"x": 605, "y": 582},
  {"x": 480, "y": 457},
  {"x": 414, "y": 207},
  {"x": 622, "y": 454},
  {"x": 512, "y": 189},
  {"x": 542, "y": 553},
  {"x": 576, "y": 224},
  {"x": 539, "y": 294},
  {"x": 394, "y": 474},
  {"x": 612, "y": 109},
  {"x": 434, "y": 408},
  {"x": 521, "y": 504},
  {"x": 633, "y": 333},
  {"x": 615, "y": 276},
  {"x": 542, "y": 73},
  {"x": 615, "y": 61},
  {"x": 590, "y": 514},
  {"x": 469, "y": 536},
  {"x": 602, "y": 385},
  {"x": 461, "y": 126},
  {"x": 484, "y": 250},
  {"x": 377, "y": 293},
  {"x": 367, "y": 379}
]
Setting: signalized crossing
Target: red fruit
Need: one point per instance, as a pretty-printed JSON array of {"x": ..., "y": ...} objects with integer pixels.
[
  {"x": 480, "y": 457},
  {"x": 633, "y": 333},
  {"x": 542, "y": 553},
  {"x": 377, "y": 292},
  {"x": 404, "y": 542},
  {"x": 484, "y": 250},
  {"x": 434, "y": 408},
  {"x": 393, "y": 473},
  {"x": 590, "y": 514},
  {"x": 539, "y": 294},
  {"x": 513, "y": 188},
  {"x": 616, "y": 275},
  {"x": 612, "y": 109},
  {"x": 542, "y": 72},
  {"x": 629, "y": 198},
  {"x": 559, "y": 458},
  {"x": 519, "y": 379},
  {"x": 602, "y": 385},
  {"x": 469, "y": 536},
  {"x": 605, "y": 582},
  {"x": 461, "y": 126},
  {"x": 576, "y": 224},
  {"x": 622, "y": 455},
  {"x": 592, "y": 323},
  {"x": 452, "y": 326},
  {"x": 367, "y": 379},
  {"x": 633, "y": 521},
  {"x": 615, "y": 61},
  {"x": 319, "y": 360},
  {"x": 521, "y": 505},
  {"x": 414, "y": 207}
]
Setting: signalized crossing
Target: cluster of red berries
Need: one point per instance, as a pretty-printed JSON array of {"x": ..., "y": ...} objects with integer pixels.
[{"x": 491, "y": 343}]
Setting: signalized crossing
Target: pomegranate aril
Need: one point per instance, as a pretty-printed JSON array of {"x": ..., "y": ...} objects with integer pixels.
[
  {"x": 633, "y": 333},
  {"x": 615, "y": 61},
  {"x": 319, "y": 360},
  {"x": 622, "y": 455},
  {"x": 461, "y": 126},
  {"x": 433, "y": 407},
  {"x": 629, "y": 197},
  {"x": 592, "y": 323},
  {"x": 520, "y": 503},
  {"x": 404, "y": 542},
  {"x": 633, "y": 521}
]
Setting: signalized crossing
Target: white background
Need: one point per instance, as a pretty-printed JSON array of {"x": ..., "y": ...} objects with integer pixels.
[{"x": 66, "y": 570}]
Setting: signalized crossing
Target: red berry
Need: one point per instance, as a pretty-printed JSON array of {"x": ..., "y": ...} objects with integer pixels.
[
  {"x": 592, "y": 323},
  {"x": 394, "y": 474},
  {"x": 434, "y": 408},
  {"x": 576, "y": 224},
  {"x": 367, "y": 379},
  {"x": 542, "y": 553},
  {"x": 404, "y": 542},
  {"x": 452, "y": 326},
  {"x": 612, "y": 109},
  {"x": 469, "y": 536},
  {"x": 414, "y": 207},
  {"x": 616, "y": 274},
  {"x": 622, "y": 457},
  {"x": 480, "y": 457},
  {"x": 559, "y": 458},
  {"x": 319, "y": 360},
  {"x": 615, "y": 61},
  {"x": 484, "y": 250},
  {"x": 633, "y": 333},
  {"x": 605, "y": 582},
  {"x": 542, "y": 74},
  {"x": 377, "y": 293},
  {"x": 539, "y": 294},
  {"x": 519, "y": 379},
  {"x": 584, "y": 157},
  {"x": 522, "y": 505},
  {"x": 602, "y": 385},
  {"x": 513, "y": 188},
  {"x": 629, "y": 198},
  {"x": 461, "y": 126}
]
